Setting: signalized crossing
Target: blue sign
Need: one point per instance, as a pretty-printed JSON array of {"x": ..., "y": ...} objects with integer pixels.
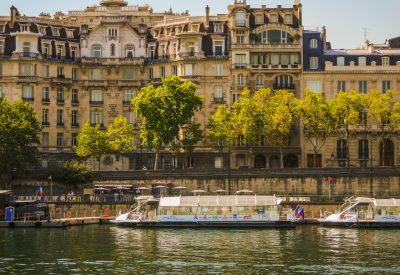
[{"x": 10, "y": 214}]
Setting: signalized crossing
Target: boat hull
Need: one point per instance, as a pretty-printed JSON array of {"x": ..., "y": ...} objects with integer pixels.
[
  {"x": 210, "y": 224},
  {"x": 362, "y": 224}
]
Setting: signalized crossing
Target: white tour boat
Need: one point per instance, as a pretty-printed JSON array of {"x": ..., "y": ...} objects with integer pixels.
[
  {"x": 207, "y": 211},
  {"x": 366, "y": 212}
]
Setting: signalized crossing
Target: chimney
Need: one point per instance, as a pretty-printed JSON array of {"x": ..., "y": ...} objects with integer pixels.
[
  {"x": 323, "y": 34},
  {"x": 14, "y": 15},
  {"x": 207, "y": 17}
]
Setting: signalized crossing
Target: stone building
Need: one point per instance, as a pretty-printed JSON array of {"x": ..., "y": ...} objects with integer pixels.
[{"x": 88, "y": 64}]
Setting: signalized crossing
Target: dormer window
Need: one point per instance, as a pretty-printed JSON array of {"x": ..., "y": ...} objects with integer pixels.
[
  {"x": 155, "y": 33},
  {"x": 24, "y": 28},
  {"x": 179, "y": 30},
  {"x": 42, "y": 30},
  {"x": 2, "y": 28},
  {"x": 273, "y": 18},
  {"x": 70, "y": 33},
  {"x": 218, "y": 28},
  {"x": 362, "y": 61},
  {"x": 113, "y": 32},
  {"x": 168, "y": 32},
  {"x": 1, "y": 48},
  {"x": 313, "y": 43},
  {"x": 96, "y": 51},
  {"x": 112, "y": 50},
  {"x": 46, "y": 50},
  {"x": 259, "y": 19},
  {"x": 288, "y": 19},
  {"x": 195, "y": 28},
  {"x": 56, "y": 32},
  {"x": 240, "y": 19},
  {"x": 385, "y": 61},
  {"x": 130, "y": 51},
  {"x": 26, "y": 47},
  {"x": 340, "y": 61}
]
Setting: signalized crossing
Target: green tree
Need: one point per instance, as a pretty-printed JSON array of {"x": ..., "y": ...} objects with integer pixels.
[
  {"x": 92, "y": 142},
  {"x": 74, "y": 173},
  {"x": 192, "y": 134},
  {"x": 385, "y": 113},
  {"x": 164, "y": 110},
  {"x": 316, "y": 116},
  {"x": 346, "y": 109},
  {"x": 120, "y": 136},
  {"x": 19, "y": 137},
  {"x": 277, "y": 111}
]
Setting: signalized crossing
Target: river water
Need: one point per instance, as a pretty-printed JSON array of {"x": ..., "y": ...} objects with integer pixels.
[{"x": 112, "y": 250}]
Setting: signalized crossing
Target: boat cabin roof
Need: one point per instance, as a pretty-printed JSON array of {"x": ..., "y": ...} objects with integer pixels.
[
  {"x": 253, "y": 200},
  {"x": 379, "y": 202}
]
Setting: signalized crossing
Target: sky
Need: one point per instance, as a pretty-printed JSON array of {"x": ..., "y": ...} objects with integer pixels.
[{"x": 346, "y": 20}]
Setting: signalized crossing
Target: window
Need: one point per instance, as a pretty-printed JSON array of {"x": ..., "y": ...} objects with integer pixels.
[
  {"x": 219, "y": 48},
  {"x": 1, "y": 70},
  {"x": 363, "y": 87},
  {"x": 24, "y": 28},
  {"x": 130, "y": 51},
  {"x": 275, "y": 37},
  {"x": 284, "y": 82},
  {"x": 46, "y": 94},
  {"x": 240, "y": 19},
  {"x": 130, "y": 74},
  {"x": 314, "y": 43},
  {"x": 129, "y": 95},
  {"x": 260, "y": 81},
  {"x": 362, "y": 61},
  {"x": 340, "y": 61},
  {"x": 315, "y": 86},
  {"x": 96, "y": 96},
  {"x": 60, "y": 139},
  {"x": 74, "y": 118},
  {"x": 175, "y": 70},
  {"x": 42, "y": 30},
  {"x": 218, "y": 94},
  {"x": 70, "y": 33},
  {"x": 112, "y": 50},
  {"x": 219, "y": 69},
  {"x": 1, "y": 48},
  {"x": 259, "y": 19},
  {"x": 363, "y": 152},
  {"x": 96, "y": 117},
  {"x": 385, "y": 86},
  {"x": 27, "y": 92},
  {"x": 273, "y": 18},
  {"x": 1, "y": 92},
  {"x": 288, "y": 19},
  {"x": 341, "y": 152},
  {"x": 45, "y": 139},
  {"x": 60, "y": 72},
  {"x": 56, "y": 32},
  {"x": 26, "y": 47},
  {"x": 240, "y": 60},
  {"x": 60, "y": 117},
  {"x": 218, "y": 28},
  {"x": 60, "y": 51},
  {"x": 60, "y": 95},
  {"x": 96, "y": 51},
  {"x": 150, "y": 73},
  {"x": 46, "y": 50},
  {"x": 27, "y": 70},
  {"x": 240, "y": 79},
  {"x": 363, "y": 118},
  {"x": 130, "y": 116},
  {"x": 46, "y": 71},
  {"x": 189, "y": 69},
  {"x": 74, "y": 96},
  {"x": 314, "y": 63},
  {"x": 112, "y": 32},
  {"x": 96, "y": 74},
  {"x": 74, "y": 139},
  {"x": 74, "y": 51},
  {"x": 74, "y": 74},
  {"x": 341, "y": 86},
  {"x": 162, "y": 71},
  {"x": 45, "y": 117},
  {"x": 385, "y": 61},
  {"x": 2, "y": 28},
  {"x": 195, "y": 28},
  {"x": 240, "y": 37}
]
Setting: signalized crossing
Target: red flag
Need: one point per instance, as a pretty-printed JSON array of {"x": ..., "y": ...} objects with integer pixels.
[{"x": 331, "y": 179}]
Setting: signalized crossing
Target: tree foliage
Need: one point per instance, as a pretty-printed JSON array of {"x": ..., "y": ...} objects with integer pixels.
[
  {"x": 19, "y": 136},
  {"x": 120, "y": 135},
  {"x": 74, "y": 173},
  {"x": 316, "y": 116},
  {"x": 164, "y": 110}
]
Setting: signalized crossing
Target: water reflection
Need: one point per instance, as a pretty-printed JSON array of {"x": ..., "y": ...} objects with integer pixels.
[{"x": 106, "y": 249}]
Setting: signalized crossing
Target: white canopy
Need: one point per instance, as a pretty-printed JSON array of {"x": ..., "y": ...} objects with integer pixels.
[{"x": 220, "y": 201}]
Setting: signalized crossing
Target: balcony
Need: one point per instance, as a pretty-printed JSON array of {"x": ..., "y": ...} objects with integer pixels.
[
  {"x": 129, "y": 82},
  {"x": 127, "y": 102},
  {"x": 113, "y": 61},
  {"x": 26, "y": 55},
  {"x": 274, "y": 67},
  {"x": 27, "y": 79},
  {"x": 45, "y": 100},
  {"x": 74, "y": 125},
  {"x": 60, "y": 124},
  {"x": 219, "y": 100},
  {"x": 191, "y": 55},
  {"x": 284, "y": 86},
  {"x": 239, "y": 65},
  {"x": 160, "y": 59},
  {"x": 60, "y": 58},
  {"x": 96, "y": 102},
  {"x": 45, "y": 124},
  {"x": 281, "y": 47},
  {"x": 75, "y": 102},
  {"x": 217, "y": 57},
  {"x": 30, "y": 99},
  {"x": 60, "y": 101},
  {"x": 96, "y": 83}
]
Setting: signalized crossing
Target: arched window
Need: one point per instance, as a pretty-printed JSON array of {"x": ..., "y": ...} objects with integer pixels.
[
  {"x": 284, "y": 82},
  {"x": 275, "y": 37},
  {"x": 240, "y": 79},
  {"x": 26, "y": 47},
  {"x": 259, "y": 81},
  {"x": 313, "y": 43},
  {"x": 96, "y": 51},
  {"x": 240, "y": 18},
  {"x": 112, "y": 50},
  {"x": 130, "y": 51}
]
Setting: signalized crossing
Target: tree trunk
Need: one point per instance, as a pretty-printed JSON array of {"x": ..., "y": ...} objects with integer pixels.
[
  {"x": 347, "y": 148},
  {"x": 383, "y": 147},
  {"x": 281, "y": 151},
  {"x": 122, "y": 162},
  {"x": 315, "y": 158},
  {"x": 156, "y": 162}
]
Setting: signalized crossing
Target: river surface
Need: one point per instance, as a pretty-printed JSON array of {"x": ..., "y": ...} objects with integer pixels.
[{"x": 112, "y": 250}]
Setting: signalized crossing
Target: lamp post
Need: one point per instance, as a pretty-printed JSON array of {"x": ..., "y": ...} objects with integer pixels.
[
  {"x": 332, "y": 159},
  {"x": 51, "y": 186}
]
